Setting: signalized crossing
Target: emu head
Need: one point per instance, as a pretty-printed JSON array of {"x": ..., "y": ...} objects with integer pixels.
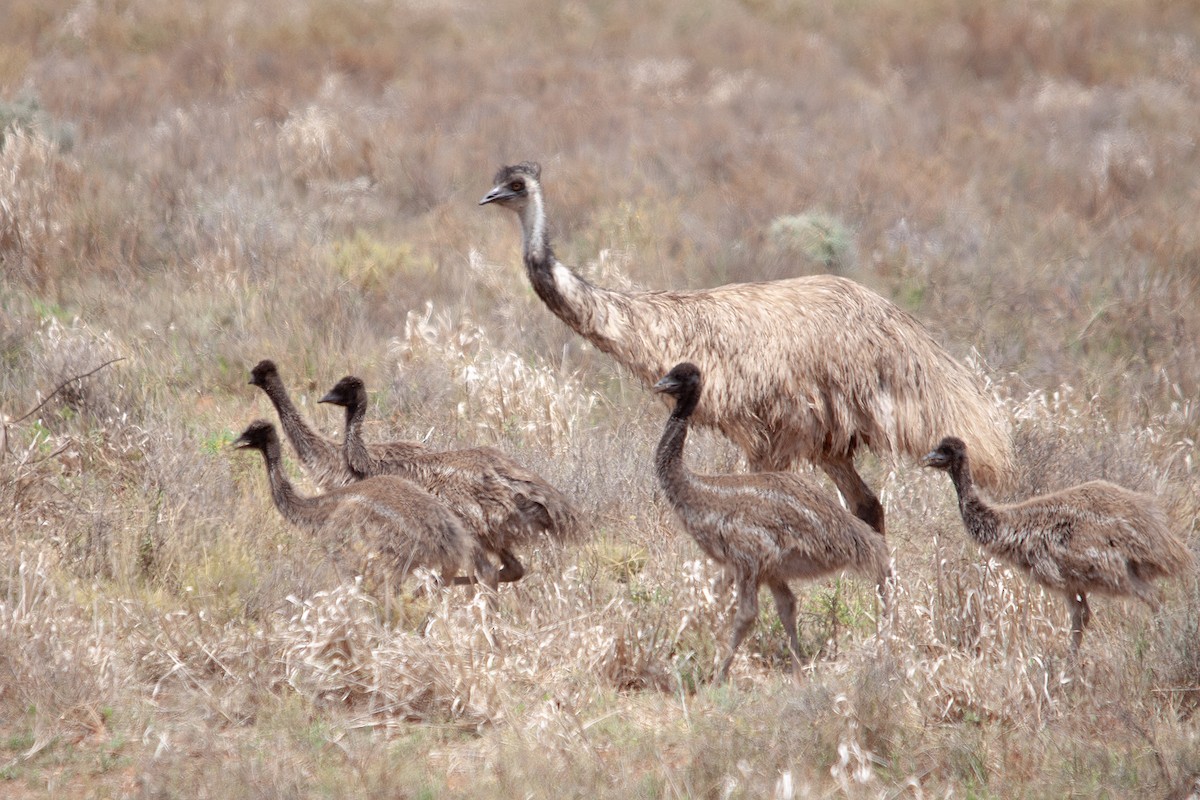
[
  {"x": 513, "y": 185},
  {"x": 263, "y": 372},
  {"x": 258, "y": 435},
  {"x": 951, "y": 452},
  {"x": 349, "y": 391},
  {"x": 683, "y": 383},
  {"x": 681, "y": 379}
]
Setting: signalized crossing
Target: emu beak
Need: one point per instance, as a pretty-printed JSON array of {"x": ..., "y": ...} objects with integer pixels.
[
  {"x": 934, "y": 459},
  {"x": 328, "y": 398},
  {"x": 664, "y": 383},
  {"x": 497, "y": 193}
]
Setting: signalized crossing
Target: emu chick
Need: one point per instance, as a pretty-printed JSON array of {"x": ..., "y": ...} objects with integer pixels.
[
  {"x": 1094, "y": 537},
  {"x": 764, "y": 527},
  {"x": 381, "y": 528},
  {"x": 500, "y": 502}
]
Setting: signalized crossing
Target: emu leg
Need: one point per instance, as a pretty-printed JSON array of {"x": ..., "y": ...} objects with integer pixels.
[
  {"x": 883, "y": 588},
  {"x": 1080, "y": 615},
  {"x": 785, "y": 602},
  {"x": 862, "y": 500},
  {"x": 743, "y": 618},
  {"x": 511, "y": 568},
  {"x": 485, "y": 571},
  {"x": 1144, "y": 590}
]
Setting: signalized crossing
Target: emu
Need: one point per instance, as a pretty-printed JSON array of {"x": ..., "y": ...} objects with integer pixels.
[
  {"x": 1094, "y": 537},
  {"x": 763, "y": 527},
  {"x": 803, "y": 369},
  {"x": 383, "y": 527},
  {"x": 320, "y": 456},
  {"x": 501, "y": 502}
]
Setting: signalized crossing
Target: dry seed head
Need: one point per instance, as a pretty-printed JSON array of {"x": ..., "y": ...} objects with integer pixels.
[{"x": 503, "y": 390}]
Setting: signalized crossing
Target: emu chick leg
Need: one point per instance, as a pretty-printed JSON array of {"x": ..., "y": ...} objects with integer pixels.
[
  {"x": 785, "y": 602},
  {"x": 743, "y": 618},
  {"x": 1080, "y": 615}
]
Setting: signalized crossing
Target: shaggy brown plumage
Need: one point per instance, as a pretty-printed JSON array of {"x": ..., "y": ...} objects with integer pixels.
[
  {"x": 320, "y": 456},
  {"x": 381, "y": 528},
  {"x": 804, "y": 369},
  {"x": 764, "y": 527},
  {"x": 501, "y": 502},
  {"x": 1094, "y": 537}
]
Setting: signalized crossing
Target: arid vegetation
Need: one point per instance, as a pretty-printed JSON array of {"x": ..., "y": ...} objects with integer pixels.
[{"x": 189, "y": 188}]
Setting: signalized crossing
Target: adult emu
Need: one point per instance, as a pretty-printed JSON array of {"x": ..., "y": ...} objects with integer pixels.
[{"x": 803, "y": 369}]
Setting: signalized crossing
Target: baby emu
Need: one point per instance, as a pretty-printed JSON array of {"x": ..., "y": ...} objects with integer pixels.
[
  {"x": 383, "y": 527},
  {"x": 320, "y": 456},
  {"x": 1094, "y": 537},
  {"x": 763, "y": 527},
  {"x": 502, "y": 503}
]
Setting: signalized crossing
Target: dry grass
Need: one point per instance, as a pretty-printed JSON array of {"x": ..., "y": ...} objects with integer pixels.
[{"x": 190, "y": 188}]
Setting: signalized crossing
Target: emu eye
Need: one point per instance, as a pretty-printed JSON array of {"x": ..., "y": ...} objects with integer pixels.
[{"x": 517, "y": 186}]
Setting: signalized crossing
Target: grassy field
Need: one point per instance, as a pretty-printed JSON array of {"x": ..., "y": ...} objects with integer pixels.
[{"x": 188, "y": 188}]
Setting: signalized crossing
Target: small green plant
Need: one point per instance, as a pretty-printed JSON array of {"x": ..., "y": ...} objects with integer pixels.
[
  {"x": 110, "y": 756},
  {"x": 622, "y": 561},
  {"x": 815, "y": 236},
  {"x": 217, "y": 442},
  {"x": 19, "y": 115},
  {"x": 25, "y": 115},
  {"x": 43, "y": 436},
  {"x": 47, "y": 310},
  {"x": 19, "y": 741},
  {"x": 648, "y": 594},
  {"x": 371, "y": 264}
]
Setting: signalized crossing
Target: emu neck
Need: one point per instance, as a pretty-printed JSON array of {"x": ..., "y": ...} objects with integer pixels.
[
  {"x": 309, "y": 446},
  {"x": 569, "y": 296},
  {"x": 600, "y": 315},
  {"x": 979, "y": 518},
  {"x": 533, "y": 230},
  {"x": 357, "y": 457},
  {"x": 303, "y": 512},
  {"x": 673, "y": 476}
]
